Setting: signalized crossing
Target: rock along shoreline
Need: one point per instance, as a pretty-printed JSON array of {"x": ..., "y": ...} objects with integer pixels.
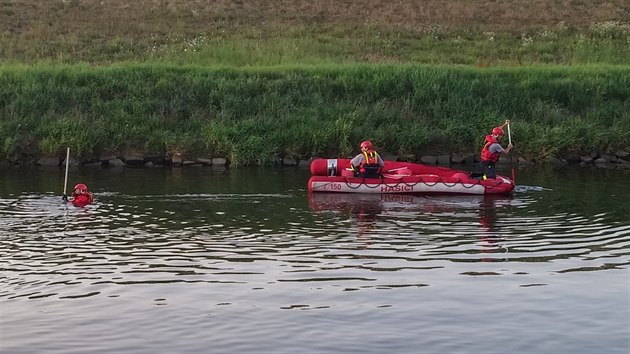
[{"x": 619, "y": 159}]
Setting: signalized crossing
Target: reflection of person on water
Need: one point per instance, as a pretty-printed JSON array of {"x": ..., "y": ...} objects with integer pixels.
[
  {"x": 368, "y": 163},
  {"x": 80, "y": 197},
  {"x": 488, "y": 220},
  {"x": 488, "y": 214},
  {"x": 366, "y": 215},
  {"x": 492, "y": 150}
]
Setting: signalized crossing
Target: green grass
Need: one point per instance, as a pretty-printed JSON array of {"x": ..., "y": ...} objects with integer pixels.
[
  {"x": 335, "y": 45},
  {"x": 255, "y": 81},
  {"x": 314, "y": 32},
  {"x": 256, "y": 115}
]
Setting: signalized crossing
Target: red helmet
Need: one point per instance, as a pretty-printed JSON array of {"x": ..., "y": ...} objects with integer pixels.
[
  {"x": 366, "y": 145},
  {"x": 497, "y": 131},
  {"x": 81, "y": 186}
]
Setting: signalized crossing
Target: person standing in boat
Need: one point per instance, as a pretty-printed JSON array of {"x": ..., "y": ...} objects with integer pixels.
[
  {"x": 80, "y": 197},
  {"x": 491, "y": 151},
  {"x": 368, "y": 163}
]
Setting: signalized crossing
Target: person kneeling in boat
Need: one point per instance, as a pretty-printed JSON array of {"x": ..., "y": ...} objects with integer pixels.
[
  {"x": 80, "y": 196},
  {"x": 368, "y": 163},
  {"x": 492, "y": 150}
]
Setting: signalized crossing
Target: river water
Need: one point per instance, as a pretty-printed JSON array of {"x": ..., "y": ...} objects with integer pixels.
[{"x": 245, "y": 261}]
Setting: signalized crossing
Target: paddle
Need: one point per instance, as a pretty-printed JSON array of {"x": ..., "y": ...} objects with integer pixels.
[
  {"x": 510, "y": 142},
  {"x": 65, "y": 183}
]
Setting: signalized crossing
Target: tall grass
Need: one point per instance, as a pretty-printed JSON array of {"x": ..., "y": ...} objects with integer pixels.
[{"x": 256, "y": 115}]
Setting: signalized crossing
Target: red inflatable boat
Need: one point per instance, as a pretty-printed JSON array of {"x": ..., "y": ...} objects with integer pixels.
[{"x": 334, "y": 175}]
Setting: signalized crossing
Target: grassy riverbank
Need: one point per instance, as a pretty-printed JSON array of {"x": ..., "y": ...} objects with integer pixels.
[
  {"x": 601, "y": 43},
  {"x": 274, "y": 32},
  {"x": 252, "y": 116},
  {"x": 256, "y": 80}
]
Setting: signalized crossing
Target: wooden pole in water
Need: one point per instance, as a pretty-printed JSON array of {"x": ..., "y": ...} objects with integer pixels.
[
  {"x": 511, "y": 162},
  {"x": 65, "y": 182}
]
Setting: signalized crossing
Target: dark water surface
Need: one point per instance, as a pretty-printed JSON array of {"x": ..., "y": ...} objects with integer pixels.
[{"x": 244, "y": 261}]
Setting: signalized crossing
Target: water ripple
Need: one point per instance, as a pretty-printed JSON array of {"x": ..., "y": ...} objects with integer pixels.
[{"x": 335, "y": 244}]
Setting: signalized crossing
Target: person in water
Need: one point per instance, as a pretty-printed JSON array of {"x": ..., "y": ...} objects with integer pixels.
[
  {"x": 81, "y": 196},
  {"x": 491, "y": 151},
  {"x": 368, "y": 163}
]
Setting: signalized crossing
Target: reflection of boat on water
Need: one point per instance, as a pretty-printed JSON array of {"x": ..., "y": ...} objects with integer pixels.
[
  {"x": 405, "y": 202},
  {"x": 370, "y": 209},
  {"x": 332, "y": 176},
  {"x": 367, "y": 209}
]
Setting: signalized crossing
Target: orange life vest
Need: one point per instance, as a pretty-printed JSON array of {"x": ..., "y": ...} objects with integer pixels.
[
  {"x": 370, "y": 162},
  {"x": 486, "y": 155}
]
